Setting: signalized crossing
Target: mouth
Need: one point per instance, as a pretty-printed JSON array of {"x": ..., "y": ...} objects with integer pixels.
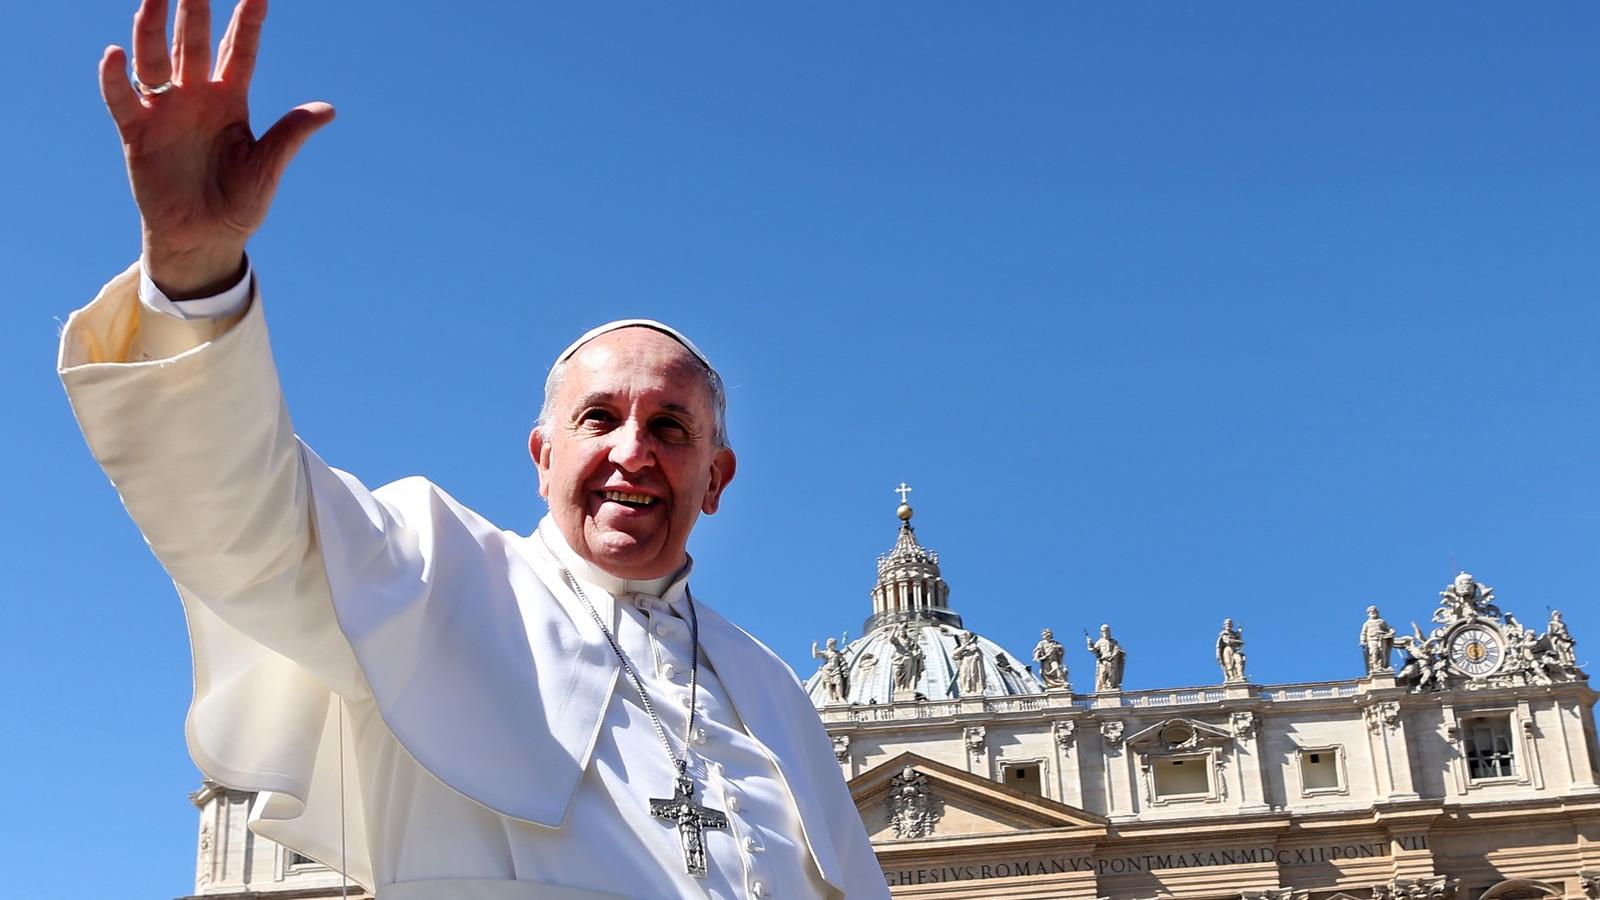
[{"x": 628, "y": 499}]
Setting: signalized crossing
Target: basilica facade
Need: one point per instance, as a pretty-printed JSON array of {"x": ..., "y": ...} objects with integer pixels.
[{"x": 1457, "y": 762}]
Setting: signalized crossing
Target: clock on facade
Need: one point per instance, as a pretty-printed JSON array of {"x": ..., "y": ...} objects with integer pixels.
[{"x": 1476, "y": 651}]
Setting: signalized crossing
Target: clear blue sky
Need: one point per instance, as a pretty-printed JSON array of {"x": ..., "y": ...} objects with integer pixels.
[{"x": 1167, "y": 312}]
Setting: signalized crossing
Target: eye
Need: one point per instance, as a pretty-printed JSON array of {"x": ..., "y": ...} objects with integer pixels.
[
  {"x": 595, "y": 416},
  {"x": 670, "y": 426}
]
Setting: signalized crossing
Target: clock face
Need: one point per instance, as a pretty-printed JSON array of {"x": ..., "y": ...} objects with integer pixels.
[{"x": 1476, "y": 651}]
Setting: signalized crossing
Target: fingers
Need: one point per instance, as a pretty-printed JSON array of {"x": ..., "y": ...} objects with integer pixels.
[
  {"x": 284, "y": 139},
  {"x": 114, "y": 87},
  {"x": 150, "y": 62},
  {"x": 191, "y": 40},
  {"x": 236, "y": 60}
]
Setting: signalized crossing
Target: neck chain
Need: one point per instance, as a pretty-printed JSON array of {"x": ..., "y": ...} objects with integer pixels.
[
  {"x": 679, "y": 763},
  {"x": 682, "y": 809},
  {"x": 691, "y": 818}
]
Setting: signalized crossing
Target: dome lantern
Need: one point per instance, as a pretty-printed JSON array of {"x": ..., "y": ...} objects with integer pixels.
[{"x": 910, "y": 587}]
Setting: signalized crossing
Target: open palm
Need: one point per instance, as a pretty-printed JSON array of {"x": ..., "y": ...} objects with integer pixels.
[{"x": 202, "y": 180}]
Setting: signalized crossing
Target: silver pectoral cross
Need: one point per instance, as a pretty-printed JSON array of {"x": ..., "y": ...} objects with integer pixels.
[{"x": 693, "y": 820}]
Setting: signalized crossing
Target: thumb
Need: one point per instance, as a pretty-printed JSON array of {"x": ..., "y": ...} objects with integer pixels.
[{"x": 284, "y": 139}]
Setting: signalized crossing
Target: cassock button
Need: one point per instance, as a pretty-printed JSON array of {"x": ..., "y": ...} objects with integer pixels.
[
  {"x": 733, "y": 802},
  {"x": 669, "y": 671},
  {"x": 667, "y": 630},
  {"x": 751, "y": 845},
  {"x": 699, "y": 735},
  {"x": 758, "y": 889}
]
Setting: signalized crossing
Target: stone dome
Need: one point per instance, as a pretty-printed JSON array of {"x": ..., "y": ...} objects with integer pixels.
[
  {"x": 869, "y": 662},
  {"x": 910, "y": 607}
]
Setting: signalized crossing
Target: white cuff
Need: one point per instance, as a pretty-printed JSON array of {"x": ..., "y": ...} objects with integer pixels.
[{"x": 216, "y": 306}]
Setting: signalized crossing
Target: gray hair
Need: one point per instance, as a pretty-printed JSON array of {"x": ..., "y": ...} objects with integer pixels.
[{"x": 714, "y": 387}]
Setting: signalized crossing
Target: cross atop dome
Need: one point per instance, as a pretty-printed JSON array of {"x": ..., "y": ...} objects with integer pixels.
[
  {"x": 904, "y": 512},
  {"x": 909, "y": 583}
]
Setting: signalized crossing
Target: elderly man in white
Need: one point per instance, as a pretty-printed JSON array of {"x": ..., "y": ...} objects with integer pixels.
[{"x": 440, "y": 708}]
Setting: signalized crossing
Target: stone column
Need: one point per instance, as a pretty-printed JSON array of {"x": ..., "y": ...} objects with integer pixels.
[
  {"x": 1120, "y": 779},
  {"x": 1390, "y": 749},
  {"x": 976, "y": 739},
  {"x": 1069, "y": 778},
  {"x": 1248, "y": 762},
  {"x": 1575, "y": 747},
  {"x": 1528, "y": 729}
]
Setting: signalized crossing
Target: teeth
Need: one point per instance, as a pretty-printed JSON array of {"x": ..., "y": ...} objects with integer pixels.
[{"x": 620, "y": 497}]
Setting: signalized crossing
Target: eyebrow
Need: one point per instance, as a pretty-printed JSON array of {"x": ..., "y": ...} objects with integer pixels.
[{"x": 601, "y": 398}]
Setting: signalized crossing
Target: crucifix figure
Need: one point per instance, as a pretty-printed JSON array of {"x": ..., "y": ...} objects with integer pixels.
[
  {"x": 903, "y": 490},
  {"x": 693, "y": 820}
]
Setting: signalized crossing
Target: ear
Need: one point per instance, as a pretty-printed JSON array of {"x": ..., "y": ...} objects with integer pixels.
[
  {"x": 539, "y": 449},
  {"x": 722, "y": 468}
]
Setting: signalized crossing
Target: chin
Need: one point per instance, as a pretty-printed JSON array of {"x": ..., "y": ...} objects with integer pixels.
[{"x": 626, "y": 554}]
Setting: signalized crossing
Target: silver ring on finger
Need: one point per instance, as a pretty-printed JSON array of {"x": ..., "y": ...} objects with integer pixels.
[{"x": 150, "y": 90}]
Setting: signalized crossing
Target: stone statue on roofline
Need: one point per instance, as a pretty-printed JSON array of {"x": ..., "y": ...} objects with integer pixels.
[
  {"x": 1230, "y": 652},
  {"x": 1051, "y": 657},
  {"x": 908, "y": 659},
  {"x": 1562, "y": 645},
  {"x": 971, "y": 679},
  {"x": 835, "y": 673},
  {"x": 1377, "y": 641},
  {"x": 1109, "y": 660}
]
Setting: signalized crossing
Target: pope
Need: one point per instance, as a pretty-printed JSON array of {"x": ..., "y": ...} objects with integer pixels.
[{"x": 435, "y": 706}]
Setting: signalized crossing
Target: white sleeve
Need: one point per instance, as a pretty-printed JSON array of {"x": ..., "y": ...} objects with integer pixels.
[
  {"x": 187, "y": 419},
  {"x": 216, "y": 306}
]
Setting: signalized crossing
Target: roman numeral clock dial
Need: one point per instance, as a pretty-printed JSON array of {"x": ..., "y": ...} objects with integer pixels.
[{"x": 1476, "y": 651}]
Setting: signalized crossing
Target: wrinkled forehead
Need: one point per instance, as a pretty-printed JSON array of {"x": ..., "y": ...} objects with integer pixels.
[
  {"x": 631, "y": 358},
  {"x": 619, "y": 324}
]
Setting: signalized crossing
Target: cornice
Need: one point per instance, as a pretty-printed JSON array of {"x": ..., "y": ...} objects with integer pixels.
[
  {"x": 209, "y": 790},
  {"x": 1341, "y": 696}
]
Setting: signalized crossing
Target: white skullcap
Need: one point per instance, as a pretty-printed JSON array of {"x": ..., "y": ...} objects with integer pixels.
[{"x": 652, "y": 324}]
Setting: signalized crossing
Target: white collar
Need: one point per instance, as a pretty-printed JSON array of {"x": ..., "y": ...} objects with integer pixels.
[{"x": 669, "y": 588}]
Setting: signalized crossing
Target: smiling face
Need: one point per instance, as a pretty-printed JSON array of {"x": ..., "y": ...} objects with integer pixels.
[{"x": 628, "y": 459}]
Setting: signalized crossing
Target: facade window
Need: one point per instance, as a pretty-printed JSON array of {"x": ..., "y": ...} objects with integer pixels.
[
  {"x": 1320, "y": 771},
  {"x": 1024, "y": 777},
  {"x": 295, "y": 860},
  {"x": 1182, "y": 776},
  {"x": 1487, "y": 745}
]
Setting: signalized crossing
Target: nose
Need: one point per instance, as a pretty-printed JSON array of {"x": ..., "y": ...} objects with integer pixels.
[{"x": 631, "y": 447}]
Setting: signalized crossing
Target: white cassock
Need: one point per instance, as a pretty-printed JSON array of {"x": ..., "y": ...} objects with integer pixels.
[{"x": 489, "y": 749}]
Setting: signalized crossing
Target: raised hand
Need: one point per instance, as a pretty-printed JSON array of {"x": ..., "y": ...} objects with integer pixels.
[{"x": 202, "y": 180}]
